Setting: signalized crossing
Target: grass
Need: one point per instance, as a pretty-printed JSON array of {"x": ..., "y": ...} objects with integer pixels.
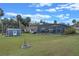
[{"x": 42, "y": 45}]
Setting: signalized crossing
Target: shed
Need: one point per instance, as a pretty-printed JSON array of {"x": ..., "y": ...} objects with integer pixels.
[{"x": 13, "y": 32}]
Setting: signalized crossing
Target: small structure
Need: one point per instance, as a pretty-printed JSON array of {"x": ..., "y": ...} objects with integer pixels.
[{"x": 13, "y": 32}]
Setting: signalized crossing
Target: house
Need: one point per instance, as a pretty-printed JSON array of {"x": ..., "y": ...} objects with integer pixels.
[
  {"x": 13, "y": 32},
  {"x": 48, "y": 28},
  {"x": 76, "y": 26}
]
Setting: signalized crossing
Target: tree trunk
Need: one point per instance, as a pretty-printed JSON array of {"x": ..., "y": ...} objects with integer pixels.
[
  {"x": 2, "y": 28},
  {"x": 27, "y": 28},
  {"x": 2, "y": 25},
  {"x": 19, "y": 25}
]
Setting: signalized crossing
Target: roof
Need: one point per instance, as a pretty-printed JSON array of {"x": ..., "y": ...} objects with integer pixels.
[
  {"x": 13, "y": 29},
  {"x": 48, "y": 24}
]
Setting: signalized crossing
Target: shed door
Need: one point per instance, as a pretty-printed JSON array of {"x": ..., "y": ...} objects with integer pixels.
[{"x": 14, "y": 32}]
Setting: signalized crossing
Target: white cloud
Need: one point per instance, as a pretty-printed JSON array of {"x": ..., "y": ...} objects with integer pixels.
[
  {"x": 38, "y": 17},
  {"x": 51, "y": 10},
  {"x": 40, "y": 4},
  {"x": 39, "y": 10},
  {"x": 69, "y": 6},
  {"x": 57, "y": 8},
  {"x": 34, "y": 17},
  {"x": 74, "y": 6},
  {"x": 15, "y": 14},
  {"x": 41, "y": 15},
  {"x": 70, "y": 20},
  {"x": 63, "y": 16},
  {"x": 60, "y": 16},
  {"x": 45, "y": 4},
  {"x": 11, "y": 14},
  {"x": 64, "y": 5},
  {"x": 26, "y": 15},
  {"x": 67, "y": 14},
  {"x": 47, "y": 10}
]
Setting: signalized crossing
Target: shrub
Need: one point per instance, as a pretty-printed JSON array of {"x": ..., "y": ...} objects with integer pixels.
[{"x": 70, "y": 30}]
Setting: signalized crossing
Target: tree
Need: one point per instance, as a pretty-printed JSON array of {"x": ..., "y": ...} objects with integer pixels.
[
  {"x": 68, "y": 24},
  {"x": 26, "y": 23},
  {"x": 28, "y": 20},
  {"x": 19, "y": 18},
  {"x": 12, "y": 23},
  {"x": 9, "y": 23},
  {"x": 4, "y": 24},
  {"x": 78, "y": 22},
  {"x": 43, "y": 22},
  {"x": 70, "y": 30},
  {"x": 74, "y": 21},
  {"x": 55, "y": 22},
  {"x": 1, "y": 14}
]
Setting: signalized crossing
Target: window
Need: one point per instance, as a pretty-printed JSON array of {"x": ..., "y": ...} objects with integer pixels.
[{"x": 14, "y": 32}]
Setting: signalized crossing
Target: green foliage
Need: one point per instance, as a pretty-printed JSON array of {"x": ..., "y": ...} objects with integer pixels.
[
  {"x": 8, "y": 23},
  {"x": 18, "y": 17},
  {"x": 26, "y": 21},
  {"x": 0, "y": 26},
  {"x": 55, "y": 22},
  {"x": 74, "y": 21},
  {"x": 23, "y": 21},
  {"x": 78, "y": 23},
  {"x": 1, "y": 12},
  {"x": 70, "y": 30}
]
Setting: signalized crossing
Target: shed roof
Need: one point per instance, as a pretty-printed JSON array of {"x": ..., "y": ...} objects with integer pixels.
[{"x": 13, "y": 29}]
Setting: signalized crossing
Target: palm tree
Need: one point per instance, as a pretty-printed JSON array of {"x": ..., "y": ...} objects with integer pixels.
[
  {"x": 41, "y": 21},
  {"x": 74, "y": 21},
  {"x": 55, "y": 22},
  {"x": 26, "y": 23},
  {"x": 1, "y": 14},
  {"x": 5, "y": 22},
  {"x": 19, "y": 18}
]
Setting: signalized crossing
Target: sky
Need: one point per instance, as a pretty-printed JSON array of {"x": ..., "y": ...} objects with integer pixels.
[{"x": 48, "y": 12}]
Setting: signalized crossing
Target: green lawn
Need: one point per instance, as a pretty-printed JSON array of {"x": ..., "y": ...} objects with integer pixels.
[{"x": 42, "y": 45}]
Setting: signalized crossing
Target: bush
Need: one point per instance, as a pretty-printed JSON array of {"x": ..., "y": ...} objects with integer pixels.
[{"x": 70, "y": 30}]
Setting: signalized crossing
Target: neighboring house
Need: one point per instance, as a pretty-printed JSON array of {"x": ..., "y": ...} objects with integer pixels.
[
  {"x": 76, "y": 26},
  {"x": 48, "y": 28}
]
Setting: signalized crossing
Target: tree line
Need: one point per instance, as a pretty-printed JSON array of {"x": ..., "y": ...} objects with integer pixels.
[
  {"x": 20, "y": 22},
  {"x": 11, "y": 23}
]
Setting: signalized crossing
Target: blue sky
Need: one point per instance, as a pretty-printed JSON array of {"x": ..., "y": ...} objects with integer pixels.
[{"x": 62, "y": 12}]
